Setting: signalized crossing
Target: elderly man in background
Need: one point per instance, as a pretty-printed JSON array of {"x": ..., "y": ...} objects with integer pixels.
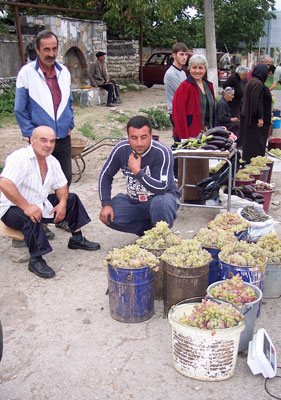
[
  {"x": 264, "y": 59},
  {"x": 29, "y": 175},
  {"x": 223, "y": 112},
  {"x": 99, "y": 77}
]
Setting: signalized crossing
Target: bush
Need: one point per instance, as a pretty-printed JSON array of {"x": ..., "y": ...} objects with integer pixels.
[
  {"x": 158, "y": 119},
  {"x": 7, "y": 100}
]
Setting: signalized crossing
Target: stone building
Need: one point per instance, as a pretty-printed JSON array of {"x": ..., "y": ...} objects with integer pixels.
[{"x": 79, "y": 40}]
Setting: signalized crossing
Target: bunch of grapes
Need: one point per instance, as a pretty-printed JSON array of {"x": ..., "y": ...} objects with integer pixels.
[
  {"x": 131, "y": 257},
  {"x": 270, "y": 245},
  {"x": 234, "y": 291},
  {"x": 229, "y": 221},
  {"x": 159, "y": 237},
  {"x": 214, "y": 238},
  {"x": 260, "y": 161},
  {"x": 243, "y": 254},
  {"x": 210, "y": 315},
  {"x": 188, "y": 254}
]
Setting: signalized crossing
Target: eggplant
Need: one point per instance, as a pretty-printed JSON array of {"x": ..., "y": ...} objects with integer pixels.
[
  {"x": 209, "y": 147},
  {"x": 219, "y": 143},
  {"x": 214, "y": 137},
  {"x": 257, "y": 196},
  {"x": 259, "y": 201},
  {"x": 248, "y": 189}
]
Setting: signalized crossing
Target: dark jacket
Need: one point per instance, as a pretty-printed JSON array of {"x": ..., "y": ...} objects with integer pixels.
[{"x": 223, "y": 113}]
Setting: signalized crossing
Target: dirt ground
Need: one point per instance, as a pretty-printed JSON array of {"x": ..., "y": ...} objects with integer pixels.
[{"x": 59, "y": 339}]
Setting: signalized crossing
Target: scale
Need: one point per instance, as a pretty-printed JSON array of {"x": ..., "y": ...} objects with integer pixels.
[{"x": 262, "y": 355}]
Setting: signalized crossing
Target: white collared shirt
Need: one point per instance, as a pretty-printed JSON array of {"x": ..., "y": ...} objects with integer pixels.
[{"x": 23, "y": 170}]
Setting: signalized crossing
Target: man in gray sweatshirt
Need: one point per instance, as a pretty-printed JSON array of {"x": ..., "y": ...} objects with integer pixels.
[{"x": 175, "y": 75}]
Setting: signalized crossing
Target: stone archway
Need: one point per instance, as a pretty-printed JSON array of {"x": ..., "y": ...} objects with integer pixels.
[{"x": 77, "y": 65}]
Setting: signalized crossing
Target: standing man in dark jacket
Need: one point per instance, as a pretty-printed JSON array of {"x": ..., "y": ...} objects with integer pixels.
[{"x": 152, "y": 194}]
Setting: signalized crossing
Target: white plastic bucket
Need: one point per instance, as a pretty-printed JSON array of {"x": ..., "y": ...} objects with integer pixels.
[{"x": 197, "y": 353}]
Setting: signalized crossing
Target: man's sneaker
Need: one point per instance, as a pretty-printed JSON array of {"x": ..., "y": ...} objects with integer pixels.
[
  {"x": 63, "y": 225},
  {"x": 49, "y": 234}
]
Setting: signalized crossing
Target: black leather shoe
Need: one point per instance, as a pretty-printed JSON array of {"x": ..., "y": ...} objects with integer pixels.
[
  {"x": 41, "y": 269},
  {"x": 109, "y": 105},
  {"x": 84, "y": 244}
]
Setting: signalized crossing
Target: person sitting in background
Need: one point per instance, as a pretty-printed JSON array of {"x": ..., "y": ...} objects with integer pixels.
[
  {"x": 99, "y": 77},
  {"x": 29, "y": 175},
  {"x": 235, "y": 81},
  {"x": 223, "y": 112}
]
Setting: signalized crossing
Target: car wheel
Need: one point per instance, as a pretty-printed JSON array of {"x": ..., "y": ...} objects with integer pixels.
[
  {"x": 149, "y": 85},
  {"x": 1, "y": 341}
]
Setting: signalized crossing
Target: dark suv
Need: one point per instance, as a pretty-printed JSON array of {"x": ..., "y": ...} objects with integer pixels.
[{"x": 158, "y": 63}]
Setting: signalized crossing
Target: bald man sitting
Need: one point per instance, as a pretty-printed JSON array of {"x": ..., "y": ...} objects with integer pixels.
[{"x": 28, "y": 177}]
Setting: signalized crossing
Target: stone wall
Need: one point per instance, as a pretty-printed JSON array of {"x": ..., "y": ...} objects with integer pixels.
[
  {"x": 123, "y": 60},
  {"x": 79, "y": 40}
]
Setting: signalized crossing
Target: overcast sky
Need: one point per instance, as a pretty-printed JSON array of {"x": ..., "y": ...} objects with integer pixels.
[{"x": 278, "y": 5}]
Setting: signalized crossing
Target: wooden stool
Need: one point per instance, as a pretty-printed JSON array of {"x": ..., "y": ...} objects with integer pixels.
[{"x": 12, "y": 233}]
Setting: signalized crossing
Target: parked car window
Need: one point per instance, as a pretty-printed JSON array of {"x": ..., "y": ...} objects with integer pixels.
[{"x": 156, "y": 59}]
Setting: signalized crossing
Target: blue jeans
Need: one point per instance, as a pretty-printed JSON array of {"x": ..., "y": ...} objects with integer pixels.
[{"x": 138, "y": 217}]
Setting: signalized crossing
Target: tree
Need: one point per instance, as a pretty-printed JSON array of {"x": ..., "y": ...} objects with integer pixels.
[{"x": 238, "y": 21}]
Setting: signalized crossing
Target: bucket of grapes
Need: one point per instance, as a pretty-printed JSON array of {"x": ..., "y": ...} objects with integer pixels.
[
  {"x": 186, "y": 272},
  {"x": 205, "y": 339},
  {"x": 245, "y": 296},
  {"x": 156, "y": 241}
]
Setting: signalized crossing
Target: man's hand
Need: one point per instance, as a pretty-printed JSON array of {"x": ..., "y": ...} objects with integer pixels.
[
  {"x": 234, "y": 119},
  {"x": 260, "y": 123},
  {"x": 33, "y": 212},
  {"x": 60, "y": 211},
  {"x": 106, "y": 211},
  {"x": 134, "y": 163}
]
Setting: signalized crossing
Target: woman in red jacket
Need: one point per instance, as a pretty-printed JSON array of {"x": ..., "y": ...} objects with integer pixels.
[{"x": 194, "y": 101}]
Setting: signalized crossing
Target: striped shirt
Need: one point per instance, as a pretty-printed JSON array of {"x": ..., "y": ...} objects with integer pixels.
[{"x": 23, "y": 170}]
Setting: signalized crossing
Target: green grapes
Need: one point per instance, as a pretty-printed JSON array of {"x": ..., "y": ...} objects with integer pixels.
[
  {"x": 229, "y": 221},
  {"x": 159, "y": 237},
  {"x": 214, "y": 238},
  {"x": 131, "y": 257},
  {"x": 188, "y": 254}
]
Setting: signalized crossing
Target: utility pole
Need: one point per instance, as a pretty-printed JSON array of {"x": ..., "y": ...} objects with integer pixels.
[{"x": 210, "y": 38}]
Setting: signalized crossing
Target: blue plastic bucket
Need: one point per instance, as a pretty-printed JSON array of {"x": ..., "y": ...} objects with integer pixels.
[
  {"x": 276, "y": 113},
  {"x": 249, "y": 274},
  {"x": 131, "y": 294},
  {"x": 214, "y": 272},
  {"x": 276, "y": 124},
  {"x": 250, "y": 311}
]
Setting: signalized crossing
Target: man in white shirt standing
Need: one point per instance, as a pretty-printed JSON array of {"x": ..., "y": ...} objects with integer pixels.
[{"x": 29, "y": 175}]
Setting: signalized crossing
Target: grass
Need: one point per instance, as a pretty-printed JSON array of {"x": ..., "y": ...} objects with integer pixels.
[
  {"x": 87, "y": 130},
  {"x": 8, "y": 119}
]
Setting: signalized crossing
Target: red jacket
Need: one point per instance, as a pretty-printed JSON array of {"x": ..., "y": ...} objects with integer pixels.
[{"x": 186, "y": 109}]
